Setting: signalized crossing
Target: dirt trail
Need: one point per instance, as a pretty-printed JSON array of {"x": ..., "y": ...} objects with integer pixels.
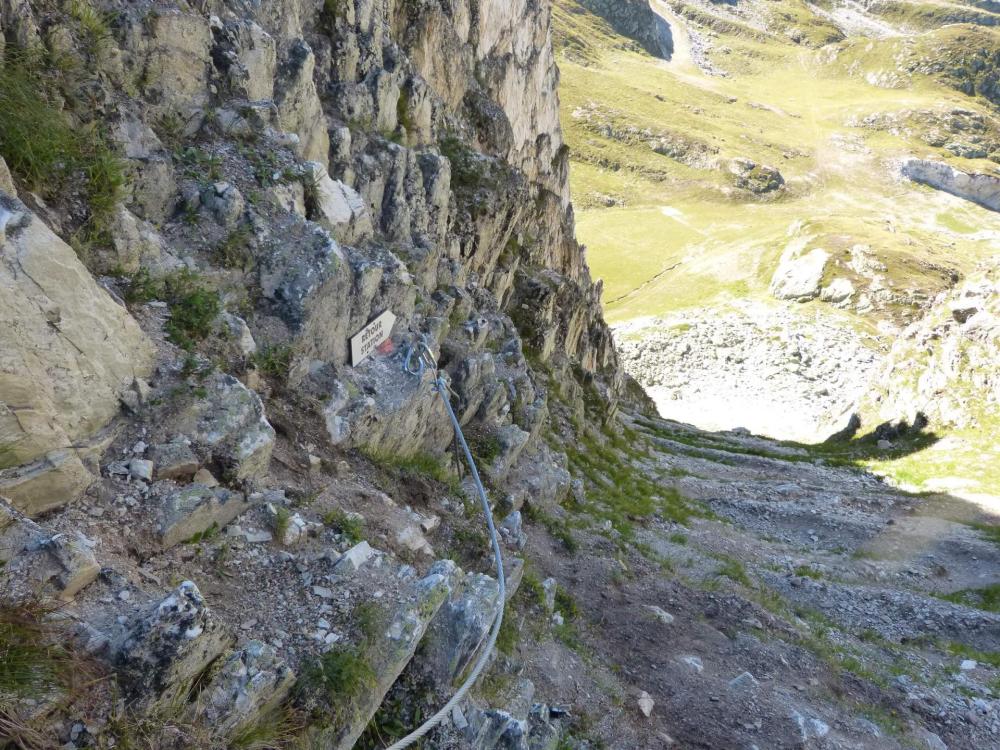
[{"x": 807, "y": 613}]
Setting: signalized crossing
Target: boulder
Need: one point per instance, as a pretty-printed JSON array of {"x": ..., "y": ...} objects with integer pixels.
[
  {"x": 174, "y": 461},
  {"x": 36, "y": 562},
  {"x": 462, "y": 624},
  {"x": 337, "y": 207},
  {"x": 251, "y": 682},
  {"x": 228, "y": 424},
  {"x": 838, "y": 290},
  {"x": 169, "y": 647},
  {"x": 68, "y": 353},
  {"x": 799, "y": 273},
  {"x": 197, "y": 509}
]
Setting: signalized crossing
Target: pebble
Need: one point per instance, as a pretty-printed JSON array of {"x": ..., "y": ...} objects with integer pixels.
[
  {"x": 968, "y": 665},
  {"x": 323, "y": 592}
]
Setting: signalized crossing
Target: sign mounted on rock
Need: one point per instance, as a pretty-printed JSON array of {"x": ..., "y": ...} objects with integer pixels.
[{"x": 367, "y": 340}]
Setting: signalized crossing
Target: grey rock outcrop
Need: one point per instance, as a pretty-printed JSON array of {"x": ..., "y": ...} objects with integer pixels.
[
  {"x": 169, "y": 647},
  {"x": 228, "y": 423},
  {"x": 251, "y": 682},
  {"x": 197, "y": 509},
  {"x": 980, "y": 188}
]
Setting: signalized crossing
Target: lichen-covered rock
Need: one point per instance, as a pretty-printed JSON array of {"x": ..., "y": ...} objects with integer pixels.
[
  {"x": 228, "y": 423},
  {"x": 756, "y": 178},
  {"x": 247, "y": 56},
  {"x": 37, "y": 563},
  {"x": 299, "y": 107},
  {"x": 169, "y": 647},
  {"x": 197, "y": 509},
  {"x": 462, "y": 624},
  {"x": 177, "y": 64},
  {"x": 67, "y": 353},
  {"x": 174, "y": 461},
  {"x": 251, "y": 682}
]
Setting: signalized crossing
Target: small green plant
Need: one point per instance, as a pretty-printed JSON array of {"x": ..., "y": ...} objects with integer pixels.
[
  {"x": 349, "y": 525},
  {"x": 282, "y": 519},
  {"x": 566, "y": 604},
  {"x": 808, "y": 571},
  {"x": 203, "y": 536},
  {"x": 234, "y": 251},
  {"x": 369, "y": 618},
  {"x": 273, "y": 361},
  {"x": 340, "y": 674},
  {"x": 47, "y": 151},
  {"x": 986, "y": 598},
  {"x": 193, "y": 307},
  {"x": 734, "y": 571},
  {"x": 275, "y": 729}
]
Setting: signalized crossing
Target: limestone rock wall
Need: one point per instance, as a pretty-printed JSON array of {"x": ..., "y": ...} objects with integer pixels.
[{"x": 68, "y": 352}]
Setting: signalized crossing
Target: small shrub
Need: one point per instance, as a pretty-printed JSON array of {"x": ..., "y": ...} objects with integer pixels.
[
  {"x": 282, "y": 519},
  {"x": 566, "y": 604},
  {"x": 46, "y": 150},
  {"x": 193, "y": 308},
  {"x": 369, "y": 618},
  {"x": 734, "y": 571},
  {"x": 808, "y": 571}
]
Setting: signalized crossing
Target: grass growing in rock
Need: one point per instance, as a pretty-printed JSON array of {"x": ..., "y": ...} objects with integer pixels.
[
  {"x": 193, "y": 306},
  {"x": 52, "y": 154},
  {"x": 349, "y": 525}
]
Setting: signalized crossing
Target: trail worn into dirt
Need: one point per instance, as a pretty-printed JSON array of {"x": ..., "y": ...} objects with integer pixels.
[{"x": 808, "y": 612}]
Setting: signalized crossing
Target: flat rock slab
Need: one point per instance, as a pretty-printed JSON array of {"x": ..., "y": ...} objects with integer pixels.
[{"x": 196, "y": 509}]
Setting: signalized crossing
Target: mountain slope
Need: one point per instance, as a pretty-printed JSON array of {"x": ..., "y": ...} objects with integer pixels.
[{"x": 761, "y": 176}]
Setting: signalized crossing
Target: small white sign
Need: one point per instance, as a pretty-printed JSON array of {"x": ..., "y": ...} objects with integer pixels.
[{"x": 368, "y": 339}]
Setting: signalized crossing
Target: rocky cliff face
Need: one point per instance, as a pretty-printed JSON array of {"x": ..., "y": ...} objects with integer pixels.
[
  {"x": 245, "y": 187},
  {"x": 316, "y": 164}
]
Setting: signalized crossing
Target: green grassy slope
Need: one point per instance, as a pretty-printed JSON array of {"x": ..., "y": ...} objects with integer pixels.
[
  {"x": 785, "y": 105},
  {"x": 804, "y": 91}
]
